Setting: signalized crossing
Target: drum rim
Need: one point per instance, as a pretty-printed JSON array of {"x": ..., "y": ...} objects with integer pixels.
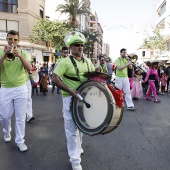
[
  {"x": 120, "y": 119},
  {"x": 106, "y": 121}
]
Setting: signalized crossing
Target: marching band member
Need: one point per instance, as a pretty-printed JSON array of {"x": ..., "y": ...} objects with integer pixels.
[
  {"x": 71, "y": 70},
  {"x": 14, "y": 90},
  {"x": 122, "y": 81},
  {"x": 29, "y": 112},
  {"x": 64, "y": 54},
  {"x": 151, "y": 77},
  {"x": 101, "y": 67}
]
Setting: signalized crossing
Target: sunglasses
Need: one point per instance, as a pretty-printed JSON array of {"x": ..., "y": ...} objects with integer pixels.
[
  {"x": 14, "y": 39},
  {"x": 102, "y": 60},
  {"x": 78, "y": 45}
]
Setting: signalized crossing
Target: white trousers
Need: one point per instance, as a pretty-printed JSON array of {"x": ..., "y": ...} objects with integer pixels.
[
  {"x": 73, "y": 135},
  {"x": 14, "y": 100},
  {"x": 123, "y": 84},
  {"x": 29, "y": 101}
]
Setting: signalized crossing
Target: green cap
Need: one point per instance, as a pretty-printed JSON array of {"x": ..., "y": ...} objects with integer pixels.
[{"x": 74, "y": 37}]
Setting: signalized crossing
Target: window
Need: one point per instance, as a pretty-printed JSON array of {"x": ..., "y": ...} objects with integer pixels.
[
  {"x": 7, "y": 25},
  {"x": 41, "y": 12},
  {"x": 8, "y": 6}
]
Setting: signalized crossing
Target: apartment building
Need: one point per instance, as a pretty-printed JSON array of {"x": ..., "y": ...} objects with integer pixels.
[
  {"x": 163, "y": 24},
  {"x": 96, "y": 27},
  {"x": 21, "y": 15},
  {"x": 106, "y": 49},
  {"x": 84, "y": 19}
]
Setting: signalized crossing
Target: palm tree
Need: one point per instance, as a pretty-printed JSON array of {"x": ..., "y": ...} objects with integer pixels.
[
  {"x": 74, "y": 8},
  {"x": 92, "y": 38}
]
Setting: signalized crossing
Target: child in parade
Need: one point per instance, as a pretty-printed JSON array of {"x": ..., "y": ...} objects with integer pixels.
[
  {"x": 137, "y": 91},
  {"x": 34, "y": 87},
  {"x": 130, "y": 73},
  {"x": 151, "y": 77},
  {"x": 163, "y": 83},
  {"x": 44, "y": 83}
]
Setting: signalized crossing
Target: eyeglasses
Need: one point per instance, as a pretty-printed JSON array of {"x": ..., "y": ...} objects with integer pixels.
[
  {"x": 78, "y": 45},
  {"x": 65, "y": 52},
  {"x": 14, "y": 39}
]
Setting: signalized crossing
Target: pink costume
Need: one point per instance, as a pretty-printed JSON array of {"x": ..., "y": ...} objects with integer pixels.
[
  {"x": 163, "y": 80},
  {"x": 151, "y": 76},
  {"x": 137, "y": 90}
]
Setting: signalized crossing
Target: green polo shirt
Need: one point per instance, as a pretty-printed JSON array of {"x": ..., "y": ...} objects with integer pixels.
[
  {"x": 27, "y": 75},
  {"x": 121, "y": 62},
  {"x": 103, "y": 68},
  {"x": 13, "y": 72},
  {"x": 59, "y": 60},
  {"x": 66, "y": 67}
]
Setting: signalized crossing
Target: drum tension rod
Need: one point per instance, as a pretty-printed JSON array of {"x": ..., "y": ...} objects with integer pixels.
[{"x": 113, "y": 103}]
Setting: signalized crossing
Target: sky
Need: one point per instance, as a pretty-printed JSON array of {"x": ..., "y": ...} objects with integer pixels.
[{"x": 124, "y": 22}]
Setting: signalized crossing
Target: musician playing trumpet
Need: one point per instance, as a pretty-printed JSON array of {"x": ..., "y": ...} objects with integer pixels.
[{"x": 13, "y": 89}]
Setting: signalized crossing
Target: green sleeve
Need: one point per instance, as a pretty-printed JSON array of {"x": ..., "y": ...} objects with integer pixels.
[
  {"x": 26, "y": 55},
  {"x": 117, "y": 62},
  {"x": 60, "y": 69}
]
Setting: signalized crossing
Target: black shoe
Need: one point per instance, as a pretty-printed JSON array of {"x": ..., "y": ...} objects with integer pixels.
[
  {"x": 33, "y": 118},
  {"x": 58, "y": 92}
]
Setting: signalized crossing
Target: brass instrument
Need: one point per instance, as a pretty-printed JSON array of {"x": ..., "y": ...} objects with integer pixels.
[
  {"x": 10, "y": 56},
  {"x": 133, "y": 58}
]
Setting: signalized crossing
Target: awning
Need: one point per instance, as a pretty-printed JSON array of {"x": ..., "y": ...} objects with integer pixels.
[{"x": 26, "y": 44}]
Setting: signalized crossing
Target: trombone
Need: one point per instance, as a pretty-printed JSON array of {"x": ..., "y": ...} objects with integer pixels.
[
  {"x": 133, "y": 59},
  {"x": 10, "y": 56}
]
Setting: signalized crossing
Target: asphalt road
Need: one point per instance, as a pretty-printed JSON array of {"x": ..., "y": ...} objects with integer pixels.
[{"x": 141, "y": 142}]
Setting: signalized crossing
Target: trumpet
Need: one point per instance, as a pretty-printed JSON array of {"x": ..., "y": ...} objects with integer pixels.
[{"x": 10, "y": 56}]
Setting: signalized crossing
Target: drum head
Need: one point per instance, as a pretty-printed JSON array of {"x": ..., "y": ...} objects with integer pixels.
[
  {"x": 35, "y": 76},
  {"x": 92, "y": 120}
]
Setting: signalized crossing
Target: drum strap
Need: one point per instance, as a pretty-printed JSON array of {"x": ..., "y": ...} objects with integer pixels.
[{"x": 77, "y": 70}]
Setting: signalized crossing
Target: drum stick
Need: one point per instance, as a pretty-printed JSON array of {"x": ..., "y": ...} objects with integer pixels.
[{"x": 81, "y": 98}]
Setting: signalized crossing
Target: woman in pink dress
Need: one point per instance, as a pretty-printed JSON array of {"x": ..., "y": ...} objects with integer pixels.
[{"x": 137, "y": 91}]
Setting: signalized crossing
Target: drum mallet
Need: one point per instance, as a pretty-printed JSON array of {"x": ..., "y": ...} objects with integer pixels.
[{"x": 81, "y": 98}]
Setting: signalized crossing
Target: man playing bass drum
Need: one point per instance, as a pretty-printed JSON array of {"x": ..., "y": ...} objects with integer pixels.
[{"x": 71, "y": 69}]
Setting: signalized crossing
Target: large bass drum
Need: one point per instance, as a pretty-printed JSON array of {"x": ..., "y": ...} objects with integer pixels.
[{"x": 103, "y": 116}]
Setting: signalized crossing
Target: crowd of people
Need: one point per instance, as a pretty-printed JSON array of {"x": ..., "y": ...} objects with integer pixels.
[
  {"x": 149, "y": 80},
  {"x": 67, "y": 74}
]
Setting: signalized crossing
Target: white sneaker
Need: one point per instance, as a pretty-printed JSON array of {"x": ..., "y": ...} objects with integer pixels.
[
  {"x": 22, "y": 147},
  {"x": 76, "y": 166},
  {"x": 82, "y": 151},
  {"x": 7, "y": 137}
]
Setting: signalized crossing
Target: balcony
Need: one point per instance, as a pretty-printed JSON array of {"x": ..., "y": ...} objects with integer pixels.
[
  {"x": 160, "y": 24},
  {"x": 161, "y": 2}
]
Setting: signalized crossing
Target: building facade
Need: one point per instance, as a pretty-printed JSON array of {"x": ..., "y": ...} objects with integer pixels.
[
  {"x": 106, "y": 49},
  {"x": 95, "y": 26},
  {"x": 22, "y": 15},
  {"x": 163, "y": 24}
]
